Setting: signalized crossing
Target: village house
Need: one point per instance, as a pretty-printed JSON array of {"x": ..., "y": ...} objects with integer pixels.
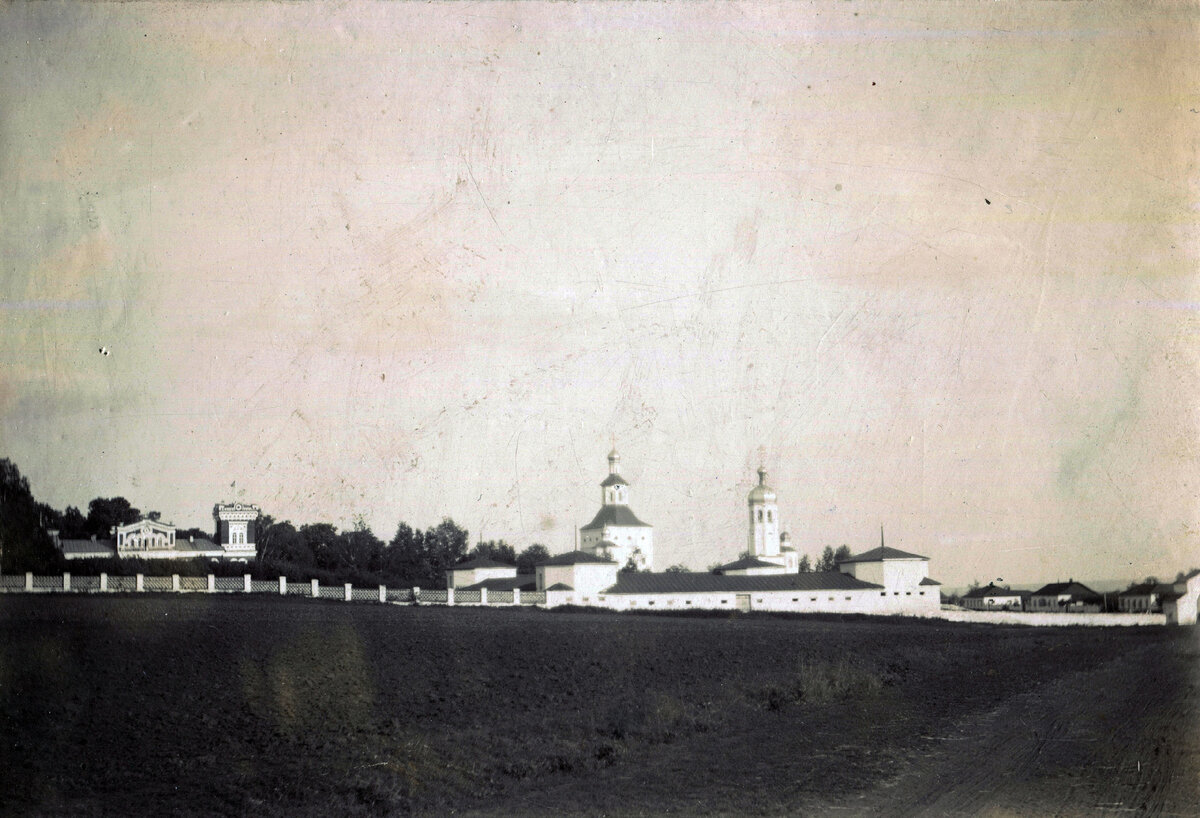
[
  {"x": 1064, "y": 597},
  {"x": 1145, "y": 597},
  {"x": 995, "y": 598}
]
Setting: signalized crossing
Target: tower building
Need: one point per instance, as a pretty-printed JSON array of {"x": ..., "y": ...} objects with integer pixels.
[
  {"x": 765, "y": 541},
  {"x": 615, "y": 532}
]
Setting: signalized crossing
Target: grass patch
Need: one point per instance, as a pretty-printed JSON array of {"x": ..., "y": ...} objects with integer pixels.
[{"x": 817, "y": 683}]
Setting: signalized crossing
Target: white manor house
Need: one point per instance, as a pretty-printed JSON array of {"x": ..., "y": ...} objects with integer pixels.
[{"x": 153, "y": 540}]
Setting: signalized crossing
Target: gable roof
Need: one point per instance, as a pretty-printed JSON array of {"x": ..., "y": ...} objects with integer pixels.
[
  {"x": 523, "y": 582},
  {"x": 560, "y": 586},
  {"x": 882, "y": 553},
  {"x": 107, "y": 548},
  {"x": 638, "y": 582},
  {"x": 576, "y": 558},
  {"x": 993, "y": 590},
  {"x": 614, "y": 515},
  {"x": 748, "y": 562},
  {"x": 481, "y": 562},
  {"x": 1148, "y": 588},
  {"x": 1076, "y": 590},
  {"x": 930, "y": 581}
]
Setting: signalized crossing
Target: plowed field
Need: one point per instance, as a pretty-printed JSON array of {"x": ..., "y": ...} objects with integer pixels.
[{"x": 238, "y": 705}]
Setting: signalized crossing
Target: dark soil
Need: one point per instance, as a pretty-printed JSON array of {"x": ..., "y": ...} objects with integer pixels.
[{"x": 272, "y": 706}]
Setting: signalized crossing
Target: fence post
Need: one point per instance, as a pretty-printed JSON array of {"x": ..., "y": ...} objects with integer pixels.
[
  {"x": 416, "y": 592},
  {"x": 104, "y": 582},
  {"x": 174, "y": 582},
  {"x": 516, "y": 596},
  {"x": 283, "y": 586},
  {"x": 66, "y": 580},
  {"x": 212, "y": 583},
  {"x": 28, "y": 580},
  {"x": 141, "y": 583},
  {"x": 449, "y": 596},
  {"x": 483, "y": 596},
  {"x": 383, "y": 593},
  {"x": 246, "y": 579},
  {"x": 316, "y": 588},
  {"x": 349, "y": 592}
]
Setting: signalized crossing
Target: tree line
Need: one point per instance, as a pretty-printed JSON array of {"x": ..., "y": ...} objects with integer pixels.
[{"x": 320, "y": 551}]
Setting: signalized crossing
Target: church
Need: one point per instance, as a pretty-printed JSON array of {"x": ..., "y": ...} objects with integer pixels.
[
  {"x": 615, "y": 532},
  {"x": 613, "y": 569}
]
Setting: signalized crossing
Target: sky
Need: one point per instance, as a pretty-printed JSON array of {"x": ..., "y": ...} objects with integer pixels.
[{"x": 932, "y": 265}]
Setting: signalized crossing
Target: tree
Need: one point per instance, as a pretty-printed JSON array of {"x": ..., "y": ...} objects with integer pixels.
[
  {"x": 403, "y": 556},
  {"x": 529, "y": 559},
  {"x": 359, "y": 549},
  {"x": 105, "y": 513},
  {"x": 805, "y": 565},
  {"x": 827, "y": 561},
  {"x": 677, "y": 568},
  {"x": 321, "y": 539},
  {"x": 842, "y": 554},
  {"x": 631, "y": 567},
  {"x": 444, "y": 546},
  {"x": 24, "y": 543},
  {"x": 497, "y": 550},
  {"x": 73, "y": 525}
]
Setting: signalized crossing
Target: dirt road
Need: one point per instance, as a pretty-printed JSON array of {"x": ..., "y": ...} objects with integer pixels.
[{"x": 1122, "y": 739}]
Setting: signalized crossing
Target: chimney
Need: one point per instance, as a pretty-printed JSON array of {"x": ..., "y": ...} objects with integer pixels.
[
  {"x": 53, "y": 532},
  {"x": 191, "y": 537},
  {"x": 93, "y": 538}
]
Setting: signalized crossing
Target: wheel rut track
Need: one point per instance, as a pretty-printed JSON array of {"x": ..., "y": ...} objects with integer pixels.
[{"x": 1115, "y": 740}]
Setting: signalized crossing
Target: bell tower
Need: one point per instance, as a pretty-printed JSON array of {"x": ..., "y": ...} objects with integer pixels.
[{"x": 764, "y": 519}]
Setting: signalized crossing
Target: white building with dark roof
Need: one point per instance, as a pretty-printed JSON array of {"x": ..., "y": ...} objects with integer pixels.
[
  {"x": 615, "y": 532},
  {"x": 154, "y": 540},
  {"x": 579, "y": 571},
  {"x": 480, "y": 569}
]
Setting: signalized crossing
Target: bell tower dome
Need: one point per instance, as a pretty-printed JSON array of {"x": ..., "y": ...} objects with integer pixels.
[{"x": 614, "y": 491}]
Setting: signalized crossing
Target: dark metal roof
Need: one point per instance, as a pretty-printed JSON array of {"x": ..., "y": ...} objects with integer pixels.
[
  {"x": 614, "y": 480},
  {"x": 1147, "y": 588},
  {"x": 748, "y": 562},
  {"x": 107, "y": 547},
  {"x": 1077, "y": 590},
  {"x": 560, "y": 586},
  {"x": 577, "y": 557},
  {"x": 614, "y": 515},
  {"x": 991, "y": 590},
  {"x": 697, "y": 583},
  {"x": 481, "y": 562},
  {"x": 522, "y": 582},
  {"x": 884, "y": 552},
  {"x": 929, "y": 581}
]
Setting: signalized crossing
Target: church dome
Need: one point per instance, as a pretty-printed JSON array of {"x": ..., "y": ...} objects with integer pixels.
[{"x": 762, "y": 493}]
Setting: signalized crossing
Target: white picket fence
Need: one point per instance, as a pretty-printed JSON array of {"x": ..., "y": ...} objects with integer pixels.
[{"x": 104, "y": 584}]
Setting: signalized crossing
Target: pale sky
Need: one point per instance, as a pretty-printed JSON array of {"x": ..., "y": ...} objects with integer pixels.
[{"x": 933, "y": 265}]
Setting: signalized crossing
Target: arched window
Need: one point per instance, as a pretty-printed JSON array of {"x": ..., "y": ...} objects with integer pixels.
[
  {"x": 760, "y": 515},
  {"x": 770, "y": 516}
]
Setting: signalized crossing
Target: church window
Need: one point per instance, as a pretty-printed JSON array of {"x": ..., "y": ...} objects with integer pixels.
[
  {"x": 760, "y": 515},
  {"x": 770, "y": 516}
]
